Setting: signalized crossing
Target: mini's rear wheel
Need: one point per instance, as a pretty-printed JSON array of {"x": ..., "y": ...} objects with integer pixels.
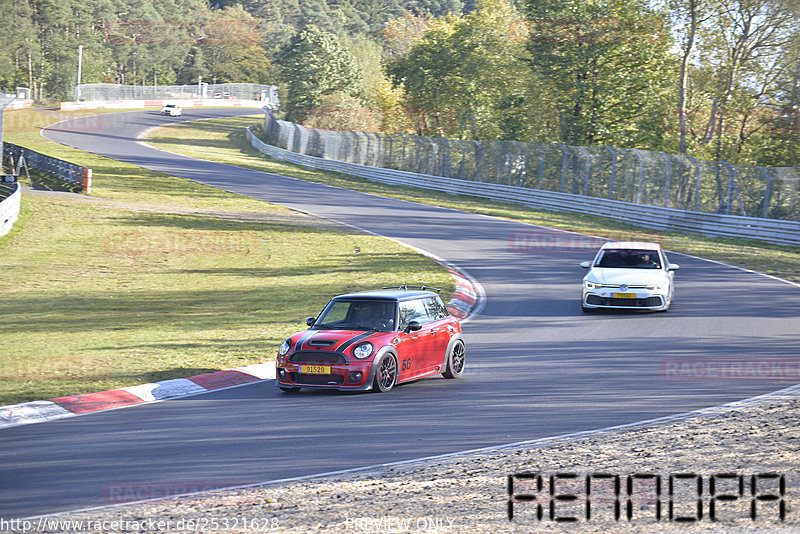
[
  {"x": 385, "y": 374},
  {"x": 456, "y": 360}
]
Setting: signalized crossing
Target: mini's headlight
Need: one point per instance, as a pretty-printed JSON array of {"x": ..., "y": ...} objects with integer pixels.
[
  {"x": 285, "y": 347},
  {"x": 363, "y": 351}
]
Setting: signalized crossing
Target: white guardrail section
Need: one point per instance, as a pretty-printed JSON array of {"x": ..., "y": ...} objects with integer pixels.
[
  {"x": 9, "y": 209},
  {"x": 771, "y": 230}
]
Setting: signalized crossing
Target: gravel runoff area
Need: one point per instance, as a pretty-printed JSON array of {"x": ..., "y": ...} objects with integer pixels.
[{"x": 757, "y": 440}]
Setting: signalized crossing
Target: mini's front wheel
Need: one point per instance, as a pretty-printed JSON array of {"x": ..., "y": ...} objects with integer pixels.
[
  {"x": 456, "y": 360},
  {"x": 385, "y": 374}
]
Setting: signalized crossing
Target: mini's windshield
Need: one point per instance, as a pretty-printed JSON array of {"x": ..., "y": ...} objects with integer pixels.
[
  {"x": 357, "y": 314},
  {"x": 629, "y": 259}
]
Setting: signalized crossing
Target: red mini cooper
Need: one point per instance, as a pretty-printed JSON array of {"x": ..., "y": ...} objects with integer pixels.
[{"x": 373, "y": 340}]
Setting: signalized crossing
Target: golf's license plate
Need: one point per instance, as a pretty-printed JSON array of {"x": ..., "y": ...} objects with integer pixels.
[
  {"x": 315, "y": 369},
  {"x": 624, "y": 295}
]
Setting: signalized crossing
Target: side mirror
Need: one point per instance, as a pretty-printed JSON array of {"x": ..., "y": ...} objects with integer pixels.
[
  {"x": 586, "y": 264},
  {"x": 413, "y": 326},
  {"x": 673, "y": 266},
  {"x": 310, "y": 321}
]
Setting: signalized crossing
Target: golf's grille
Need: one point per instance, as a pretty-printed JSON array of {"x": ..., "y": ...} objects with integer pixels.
[{"x": 649, "y": 302}]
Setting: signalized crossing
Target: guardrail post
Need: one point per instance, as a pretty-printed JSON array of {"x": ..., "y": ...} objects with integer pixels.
[
  {"x": 463, "y": 159},
  {"x": 87, "y": 181},
  {"x": 563, "y": 165},
  {"x": 587, "y": 170},
  {"x": 697, "y": 186},
  {"x": 641, "y": 176},
  {"x": 767, "y": 190},
  {"x": 541, "y": 164},
  {"x": 669, "y": 178},
  {"x": 729, "y": 192},
  {"x": 523, "y": 163},
  {"x": 479, "y": 161},
  {"x": 391, "y": 144}
]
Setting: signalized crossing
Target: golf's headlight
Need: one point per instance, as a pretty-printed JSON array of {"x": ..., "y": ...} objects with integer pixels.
[
  {"x": 653, "y": 287},
  {"x": 592, "y": 285},
  {"x": 285, "y": 347},
  {"x": 363, "y": 351}
]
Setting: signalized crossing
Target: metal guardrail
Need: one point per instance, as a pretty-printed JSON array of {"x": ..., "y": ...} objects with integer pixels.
[
  {"x": 770, "y": 230},
  {"x": 71, "y": 174},
  {"x": 9, "y": 206}
]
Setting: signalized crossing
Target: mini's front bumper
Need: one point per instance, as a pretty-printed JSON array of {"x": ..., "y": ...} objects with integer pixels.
[{"x": 353, "y": 376}]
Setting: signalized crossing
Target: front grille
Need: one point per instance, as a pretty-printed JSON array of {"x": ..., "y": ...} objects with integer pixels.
[
  {"x": 328, "y": 358},
  {"x": 617, "y": 286},
  {"x": 316, "y": 380},
  {"x": 648, "y": 302}
]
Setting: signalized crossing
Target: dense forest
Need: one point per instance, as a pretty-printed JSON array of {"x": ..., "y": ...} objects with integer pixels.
[{"x": 717, "y": 79}]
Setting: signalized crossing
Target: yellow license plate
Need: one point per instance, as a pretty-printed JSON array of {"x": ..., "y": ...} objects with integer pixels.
[
  {"x": 623, "y": 295},
  {"x": 315, "y": 369}
]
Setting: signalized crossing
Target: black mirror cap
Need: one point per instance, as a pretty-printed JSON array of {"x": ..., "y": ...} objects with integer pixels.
[
  {"x": 310, "y": 321},
  {"x": 413, "y": 326}
]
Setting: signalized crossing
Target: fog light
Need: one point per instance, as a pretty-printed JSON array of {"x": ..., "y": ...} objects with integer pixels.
[
  {"x": 355, "y": 377},
  {"x": 282, "y": 374}
]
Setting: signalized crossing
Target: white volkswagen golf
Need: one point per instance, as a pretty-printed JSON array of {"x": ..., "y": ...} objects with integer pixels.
[{"x": 629, "y": 275}]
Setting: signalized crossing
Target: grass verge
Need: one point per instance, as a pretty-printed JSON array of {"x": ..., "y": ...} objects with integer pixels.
[
  {"x": 224, "y": 140},
  {"x": 155, "y": 277}
]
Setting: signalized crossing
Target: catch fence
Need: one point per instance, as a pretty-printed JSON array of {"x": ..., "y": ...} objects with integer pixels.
[
  {"x": 268, "y": 94},
  {"x": 618, "y": 174}
]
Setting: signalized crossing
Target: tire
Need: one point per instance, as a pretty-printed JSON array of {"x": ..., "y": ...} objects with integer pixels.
[
  {"x": 289, "y": 389},
  {"x": 385, "y": 374},
  {"x": 456, "y": 360}
]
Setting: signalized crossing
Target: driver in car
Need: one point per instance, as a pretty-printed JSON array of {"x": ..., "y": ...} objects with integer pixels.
[{"x": 372, "y": 316}]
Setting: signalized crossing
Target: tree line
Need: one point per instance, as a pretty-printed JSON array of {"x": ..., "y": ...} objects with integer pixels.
[{"x": 715, "y": 79}]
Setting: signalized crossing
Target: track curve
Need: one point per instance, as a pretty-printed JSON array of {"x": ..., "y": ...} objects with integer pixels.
[{"x": 537, "y": 366}]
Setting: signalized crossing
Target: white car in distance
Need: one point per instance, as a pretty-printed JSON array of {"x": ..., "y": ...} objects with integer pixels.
[
  {"x": 173, "y": 110},
  {"x": 629, "y": 275}
]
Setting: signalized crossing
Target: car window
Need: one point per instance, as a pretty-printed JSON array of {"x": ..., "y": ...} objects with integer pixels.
[
  {"x": 435, "y": 308},
  {"x": 413, "y": 310},
  {"x": 357, "y": 315},
  {"x": 629, "y": 259}
]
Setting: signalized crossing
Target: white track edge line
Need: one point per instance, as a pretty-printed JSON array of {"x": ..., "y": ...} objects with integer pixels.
[{"x": 541, "y": 442}]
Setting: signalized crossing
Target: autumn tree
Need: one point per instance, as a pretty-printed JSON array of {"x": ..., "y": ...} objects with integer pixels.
[
  {"x": 315, "y": 64},
  {"x": 467, "y": 74},
  {"x": 608, "y": 63}
]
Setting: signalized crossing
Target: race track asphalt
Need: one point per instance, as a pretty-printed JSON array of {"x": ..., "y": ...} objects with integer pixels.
[{"x": 536, "y": 365}]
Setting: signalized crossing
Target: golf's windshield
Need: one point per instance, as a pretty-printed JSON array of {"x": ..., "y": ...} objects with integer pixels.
[
  {"x": 358, "y": 314},
  {"x": 629, "y": 259}
]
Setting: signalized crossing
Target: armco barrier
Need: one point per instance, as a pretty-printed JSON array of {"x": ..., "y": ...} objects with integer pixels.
[
  {"x": 770, "y": 230},
  {"x": 71, "y": 174},
  {"x": 9, "y": 206}
]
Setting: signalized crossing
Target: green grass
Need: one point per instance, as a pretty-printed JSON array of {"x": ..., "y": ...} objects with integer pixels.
[
  {"x": 224, "y": 140},
  {"x": 155, "y": 277}
]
